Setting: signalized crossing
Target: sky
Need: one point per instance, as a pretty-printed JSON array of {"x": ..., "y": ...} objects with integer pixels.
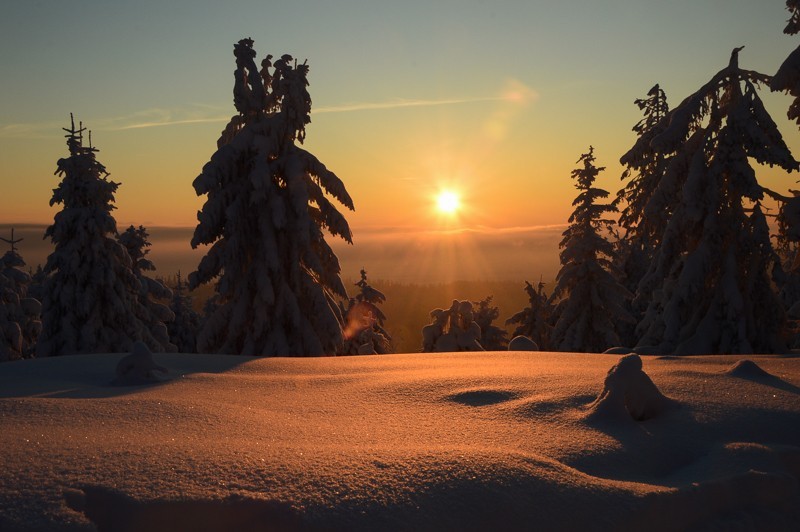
[{"x": 494, "y": 100}]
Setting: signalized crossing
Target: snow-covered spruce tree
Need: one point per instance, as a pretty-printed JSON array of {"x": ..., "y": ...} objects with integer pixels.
[
  {"x": 787, "y": 246},
  {"x": 535, "y": 320},
  {"x": 20, "y": 323},
  {"x": 711, "y": 276},
  {"x": 364, "y": 332},
  {"x": 451, "y": 330},
  {"x": 591, "y": 301},
  {"x": 644, "y": 215},
  {"x": 787, "y": 78},
  {"x": 493, "y": 338},
  {"x": 90, "y": 290},
  {"x": 153, "y": 314},
  {"x": 645, "y": 208},
  {"x": 183, "y": 329},
  {"x": 265, "y": 217}
]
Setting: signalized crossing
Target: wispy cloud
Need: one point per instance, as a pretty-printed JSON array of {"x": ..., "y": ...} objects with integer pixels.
[
  {"x": 400, "y": 103},
  {"x": 513, "y": 93},
  {"x": 165, "y": 123}
]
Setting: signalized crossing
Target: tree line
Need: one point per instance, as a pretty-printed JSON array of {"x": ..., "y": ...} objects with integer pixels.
[{"x": 681, "y": 261}]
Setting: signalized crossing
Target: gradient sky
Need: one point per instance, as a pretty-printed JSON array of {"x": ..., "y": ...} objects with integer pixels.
[{"x": 495, "y": 99}]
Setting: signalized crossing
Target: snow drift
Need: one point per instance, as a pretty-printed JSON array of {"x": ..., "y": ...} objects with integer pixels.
[{"x": 459, "y": 441}]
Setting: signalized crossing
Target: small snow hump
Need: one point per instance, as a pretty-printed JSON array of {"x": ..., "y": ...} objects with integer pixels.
[
  {"x": 628, "y": 393},
  {"x": 747, "y": 369},
  {"x": 618, "y": 351},
  {"x": 522, "y": 343},
  {"x": 138, "y": 367}
]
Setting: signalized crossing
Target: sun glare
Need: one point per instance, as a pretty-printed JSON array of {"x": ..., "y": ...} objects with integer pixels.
[{"x": 448, "y": 202}]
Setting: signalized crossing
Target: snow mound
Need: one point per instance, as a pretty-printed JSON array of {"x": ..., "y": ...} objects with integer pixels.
[
  {"x": 628, "y": 393},
  {"x": 522, "y": 343},
  {"x": 747, "y": 369},
  {"x": 618, "y": 351},
  {"x": 138, "y": 367}
]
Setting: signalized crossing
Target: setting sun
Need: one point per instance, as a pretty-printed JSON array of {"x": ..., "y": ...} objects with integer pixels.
[{"x": 448, "y": 202}]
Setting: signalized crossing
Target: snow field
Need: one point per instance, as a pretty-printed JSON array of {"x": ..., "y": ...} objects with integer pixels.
[{"x": 466, "y": 441}]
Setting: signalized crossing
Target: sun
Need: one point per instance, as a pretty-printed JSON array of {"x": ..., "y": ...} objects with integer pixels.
[{"x": 448, "y": 202}]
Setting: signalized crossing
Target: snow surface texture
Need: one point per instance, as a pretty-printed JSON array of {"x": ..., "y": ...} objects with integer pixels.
[{"x": 453, "y": 441}]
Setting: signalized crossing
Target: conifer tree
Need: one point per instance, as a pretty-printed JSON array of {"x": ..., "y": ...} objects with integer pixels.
[
  {"x": 153, "y": 314},
  {"x": 265, "y": 218},
  {"x": 787, "y": 78},
  {"x": 183, "y": 329},
  {"x": 712, "y": 274},
  {"x": 643, "y": 214},
  {"x": 590, "y": 299},
  {"x": 20, "y": 323},
  {"x": 492, "y": 338},
  {"x": 535, "y": 320},
  {"x": 646, "y": 207},
  {"x": 90, "y": 289},
  {"x": 364, "y": 333}
]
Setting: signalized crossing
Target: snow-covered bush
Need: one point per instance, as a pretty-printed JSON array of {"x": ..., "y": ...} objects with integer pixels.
[
  {"x": 91, "y": 290},
  {"x": 591, "y": 301},
  {"x": 712, "y": 275},
  {"x": 453, "y": 329},
  {"x": 154, "y": 315},
  {"x": 265, "y": 218},
  {"x": 364, "y": 333},
  {"x": 535, "y": 320}
]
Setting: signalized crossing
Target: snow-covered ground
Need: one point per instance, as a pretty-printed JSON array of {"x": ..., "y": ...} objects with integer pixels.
[{"x": 460, "y": 441}]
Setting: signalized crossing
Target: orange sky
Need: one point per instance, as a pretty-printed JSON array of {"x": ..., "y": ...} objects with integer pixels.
[{"x": 496, "y": 102}]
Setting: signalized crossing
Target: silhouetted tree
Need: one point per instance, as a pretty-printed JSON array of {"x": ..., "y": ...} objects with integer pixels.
[
  {"x": 535, "y": 320},
  {"x": 90, "y": 290},
  {"x": 492, "y": 338},
  {"x": 590, "y": 299},
  {"x": 787, "y": 78},
  {"x": 364, "y": 333},
  {"x": 183, "y": 329},
  {"x": 20, "y": 323},
  {"x": 265, "y": 218},
  {"x": 711, "y": 277},
  {"x": 151, "y": 312}
]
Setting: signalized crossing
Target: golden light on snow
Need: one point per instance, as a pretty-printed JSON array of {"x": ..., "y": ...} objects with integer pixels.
[{"x": 448, "y": 202}]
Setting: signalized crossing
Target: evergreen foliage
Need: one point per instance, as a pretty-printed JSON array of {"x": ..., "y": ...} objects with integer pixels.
[
  {"x": 590, "y": 299},
  {"x": 266, "y": 212},
  {"x": 90, "y": 288},
  {"x": 365, "y": 333},
  {"x": 535, "y": 320},
  {"x": 152, "y": 313},
  {"x": 493, "y": 338},
  {"x": 787, "y": 78},
  {"x": 183, "y": 329},
  {"x": 20, "y": 323},
  {"x": 644, "y": 214},
  {"x": 711, "y": 277}
]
